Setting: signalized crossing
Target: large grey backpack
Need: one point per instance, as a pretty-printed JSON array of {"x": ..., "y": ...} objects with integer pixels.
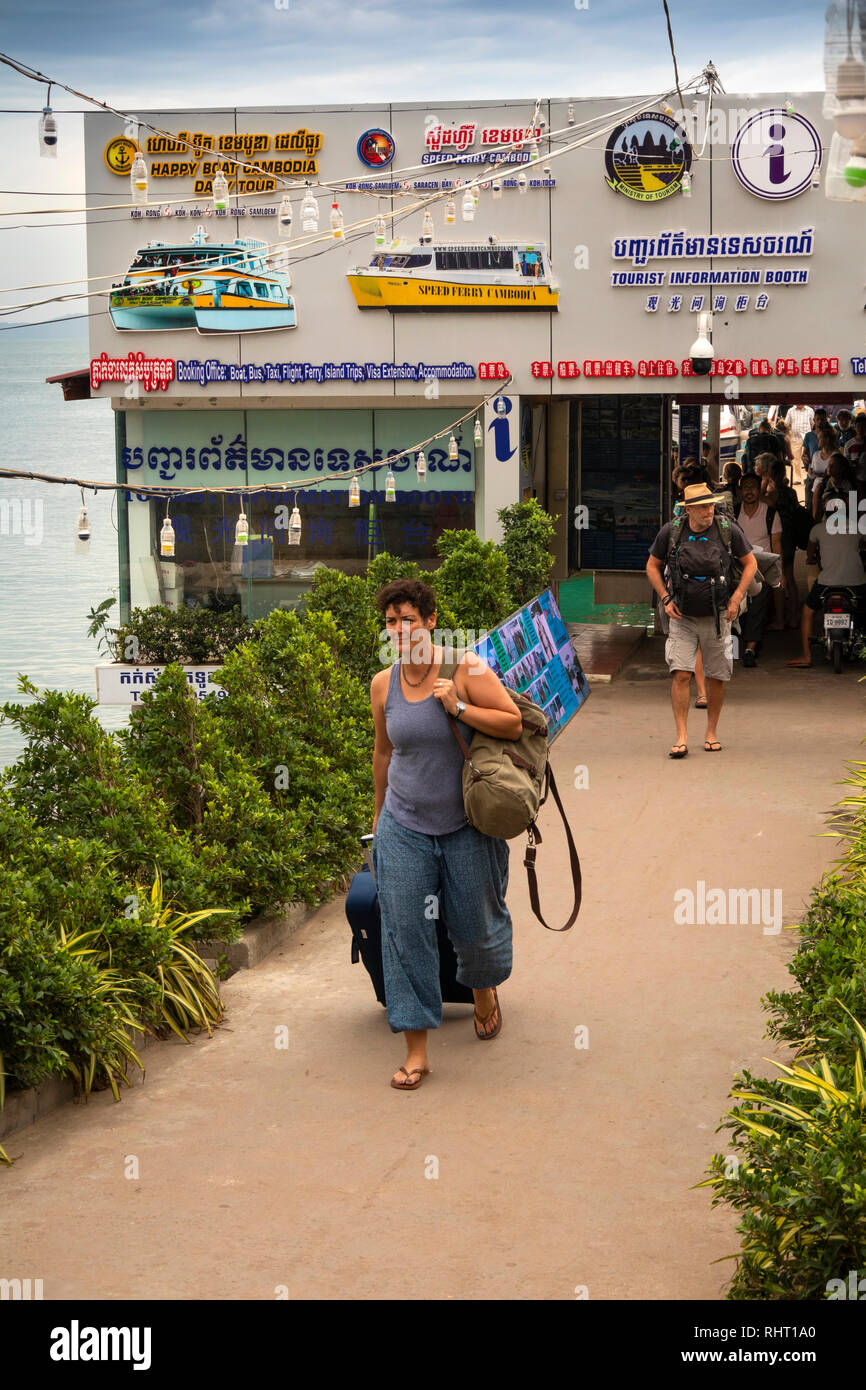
[{"x": 505, "y": 784}]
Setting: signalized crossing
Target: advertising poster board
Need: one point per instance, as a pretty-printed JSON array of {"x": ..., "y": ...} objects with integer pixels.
[{"x": 531, "y": 652}]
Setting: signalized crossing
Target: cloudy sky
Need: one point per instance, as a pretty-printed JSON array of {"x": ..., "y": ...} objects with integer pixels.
[{"x": 176, "y": 53}]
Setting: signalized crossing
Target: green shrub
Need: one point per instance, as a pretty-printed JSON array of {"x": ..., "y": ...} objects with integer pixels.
[
  {"x": 156, "y": 636},
  {"x": 51, "y": 1006},
  {"x": 301, "y": 721},
  {"x": 799, "y": 1180},
  {"x": 74, "y": 779},
  {"x": 384, "y": 567},
  {"x": 472, "y": 581},
  {"x": 347, "y": 598},
  {"x": 243, "y": 843},
  {"x": 829, "y": 967},
  {"x": 800, "y": 1140},
  {"x": 527, "y": 533}
]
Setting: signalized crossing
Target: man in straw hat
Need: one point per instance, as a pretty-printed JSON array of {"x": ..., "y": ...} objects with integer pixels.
[{"x": 701, "y": 603}]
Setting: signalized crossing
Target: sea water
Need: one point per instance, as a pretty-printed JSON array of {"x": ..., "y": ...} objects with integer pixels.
[{"x": 46, "y": 588}]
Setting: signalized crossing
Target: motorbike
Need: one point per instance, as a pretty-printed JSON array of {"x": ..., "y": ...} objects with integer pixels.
[{"x": 842, "y": 625}]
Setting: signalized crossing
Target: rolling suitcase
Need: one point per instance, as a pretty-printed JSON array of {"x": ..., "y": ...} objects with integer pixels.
[{"x": 362, "y": 912}]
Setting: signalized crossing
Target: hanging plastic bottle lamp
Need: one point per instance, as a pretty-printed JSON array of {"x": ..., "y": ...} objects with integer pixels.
[
  {"x": 453, "y": 451},
  {"x": 354, "y": 492},
  {"x": 421, "y": 464},
  {"x": 427, "y": 228},
  {"x": 166, "y": 538},
  {"x": 309, "y": 212},
  {"x": 571, "y": 113},
  {"x": 522, "y": 181},
  {"x": 83, "y": 528},
  {"x": 390, "y": 487},
  {"x": 468, "y": 208},
  {"x": 450, "y": 211},
  {"x": 220, "y": 191},
  {"x": 477, "y": 432},
  {"x": 285, "y": 215},
  {"x": 47, "y": 134},
  {"x": 138, "y": 179},
  {"x": 336, "y": 222},
  {"x": 497, "y": 187},
  {"x": 242, "y": 530},
  {"x": 381, "y": 231},
  {"x": 295, "y": 526}
]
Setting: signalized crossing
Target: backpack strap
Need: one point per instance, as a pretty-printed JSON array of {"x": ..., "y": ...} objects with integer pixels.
[
  {"x": 723, "y": 526},
  {"x": 678, "y": 525},
  {"x": 529, "y": 860}
]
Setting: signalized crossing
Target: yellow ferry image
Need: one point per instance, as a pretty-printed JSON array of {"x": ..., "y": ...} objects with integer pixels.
[{"x": 489, "y": 274}]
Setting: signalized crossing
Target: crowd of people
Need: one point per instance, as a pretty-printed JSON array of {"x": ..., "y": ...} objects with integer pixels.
[{"x": 755, "y": 513}]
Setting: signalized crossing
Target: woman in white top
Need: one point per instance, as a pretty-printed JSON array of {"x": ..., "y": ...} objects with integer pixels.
[{"x": 821, "y": 456}]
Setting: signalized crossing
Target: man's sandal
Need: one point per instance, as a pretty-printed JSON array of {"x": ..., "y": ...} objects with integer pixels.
[
  {"x": 679, "y": 750},
  {"x": 484, "y": 1037},
  {"x": 408, "y": 1085},
  {"x": 701, "y": 702},
  {"x": 712, "y": 746}
]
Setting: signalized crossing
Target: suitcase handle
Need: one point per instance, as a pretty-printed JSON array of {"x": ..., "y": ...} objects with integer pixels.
[{"x": 366, "y": 841}]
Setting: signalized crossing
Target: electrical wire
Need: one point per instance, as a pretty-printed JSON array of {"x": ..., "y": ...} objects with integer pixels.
[{"x": 673, "y": 54}]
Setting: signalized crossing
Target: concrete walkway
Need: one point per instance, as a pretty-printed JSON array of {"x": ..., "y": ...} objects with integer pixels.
[{"x": 557, "y": 1166}]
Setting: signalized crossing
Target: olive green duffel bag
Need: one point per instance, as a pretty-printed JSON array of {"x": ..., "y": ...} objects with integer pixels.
[{"x": 505, "y": 784}]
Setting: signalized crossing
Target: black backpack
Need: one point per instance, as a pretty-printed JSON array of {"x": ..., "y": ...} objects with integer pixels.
[
  {"x": 796, "y": 520},
  {"x": 759, "y": 443},
  {"x": 700, "y": 581}
]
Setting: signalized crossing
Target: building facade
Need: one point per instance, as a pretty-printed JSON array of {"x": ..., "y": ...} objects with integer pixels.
[{"x": 557, "y": 313}]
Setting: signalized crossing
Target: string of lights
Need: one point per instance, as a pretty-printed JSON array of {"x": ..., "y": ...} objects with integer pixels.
[{"x": 338, "y": 227}]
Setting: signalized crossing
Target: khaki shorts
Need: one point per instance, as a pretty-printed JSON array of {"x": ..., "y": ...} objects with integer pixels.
[{"x": 687, "y": 634}]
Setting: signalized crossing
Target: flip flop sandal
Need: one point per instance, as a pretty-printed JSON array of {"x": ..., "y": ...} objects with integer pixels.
[
  {"x": 712, "y": 746},
  {"x": 485, "y": 1037},
  {"x": 679, "y": 750},
  {"x": 701, "y": 702},
  {"x": 410, "y": 1085}
]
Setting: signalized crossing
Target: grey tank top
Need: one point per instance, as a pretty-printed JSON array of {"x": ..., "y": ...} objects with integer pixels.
[{"x": 425, "y": 775}]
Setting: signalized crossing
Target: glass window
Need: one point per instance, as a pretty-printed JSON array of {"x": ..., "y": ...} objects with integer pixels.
[{"x": 261, "y": 290}]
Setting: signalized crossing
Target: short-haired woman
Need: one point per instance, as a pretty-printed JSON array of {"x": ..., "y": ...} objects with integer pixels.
[{"x": 427, "y": 859}]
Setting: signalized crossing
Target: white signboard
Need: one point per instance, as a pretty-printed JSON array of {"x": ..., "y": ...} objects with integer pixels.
[{"x": 121, "y": 684}]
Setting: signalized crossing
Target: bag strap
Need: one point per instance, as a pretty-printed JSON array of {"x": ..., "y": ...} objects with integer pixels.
[{"x": 529, "y": 861}]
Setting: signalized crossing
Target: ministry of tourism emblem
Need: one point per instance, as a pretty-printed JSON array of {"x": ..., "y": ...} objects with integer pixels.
[
  {"x": 647, "y": 156},
  {"x": 776, "y": 155}
]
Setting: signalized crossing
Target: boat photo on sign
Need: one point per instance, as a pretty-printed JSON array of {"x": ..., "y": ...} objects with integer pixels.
[
  {"x": 468, "y": 275},
  {"x": 234, "y": 287}
]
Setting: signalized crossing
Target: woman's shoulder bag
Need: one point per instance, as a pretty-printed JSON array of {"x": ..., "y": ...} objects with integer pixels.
[{"x": 505, "y": 784}]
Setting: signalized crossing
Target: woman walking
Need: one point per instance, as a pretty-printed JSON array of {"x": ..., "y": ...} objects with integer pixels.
[{"x": 426, "y": 858}]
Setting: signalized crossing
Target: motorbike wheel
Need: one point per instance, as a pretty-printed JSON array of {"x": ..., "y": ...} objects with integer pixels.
[{"x": 837, "y": 658}]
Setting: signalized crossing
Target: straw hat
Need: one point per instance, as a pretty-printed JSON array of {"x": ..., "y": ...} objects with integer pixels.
[{"x": 697, "y": 494}]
